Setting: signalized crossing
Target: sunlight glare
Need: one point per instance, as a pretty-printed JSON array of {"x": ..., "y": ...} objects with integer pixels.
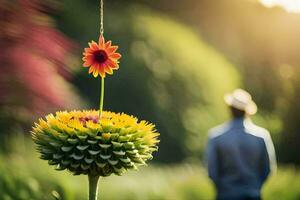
[{"x": 288, "y": 5}]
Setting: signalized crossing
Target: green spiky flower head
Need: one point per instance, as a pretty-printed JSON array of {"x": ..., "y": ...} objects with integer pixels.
[{"x": 77, "y": 141}]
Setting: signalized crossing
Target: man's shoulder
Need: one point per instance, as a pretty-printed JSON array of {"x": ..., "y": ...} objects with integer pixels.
[
  {"x": 218, "y": 130},
  {"x": 256, "y": 130}
]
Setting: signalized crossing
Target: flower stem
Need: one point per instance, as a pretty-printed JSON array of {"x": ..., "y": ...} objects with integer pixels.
[
  {"x": 101, "y": 98},
  {"x": 93, "y": 187}
]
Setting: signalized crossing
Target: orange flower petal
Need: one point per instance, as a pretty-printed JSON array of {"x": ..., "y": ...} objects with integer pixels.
[
  {"x": 89, "y": 57},
  {"x": 87, "y": 63},
  {"x": 101, "y": 71},
  {"x": 88, "y": 50},
  {"x": 87, "y": 54},
  {"x": 112, "y": 49},
  {"x": 101, "y": 42},
  {"x": 112, "y": 64},
  {"x": 115, "y": 56},
  {"x": 93, "y": 45},
  {"x": 91, "y": 69},
  {"x": 108, "y": 44},
  {"x": 108, "y": 69},
  {"x": 116, "y": 67}
]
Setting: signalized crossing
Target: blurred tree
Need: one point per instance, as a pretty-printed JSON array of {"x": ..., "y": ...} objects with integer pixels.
[
  {"x": 33, "y": 72},
  {"x": 290, "y": 138},
  {"x": 167, "y": 74}
]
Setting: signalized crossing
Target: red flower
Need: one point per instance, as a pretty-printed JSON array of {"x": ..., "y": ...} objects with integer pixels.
[{"x": 101, "y": 58}]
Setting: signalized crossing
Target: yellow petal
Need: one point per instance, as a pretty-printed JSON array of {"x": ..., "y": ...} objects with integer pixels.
[
  {"x": 92, "y": 68},
  {"x": 95, "y": 73}
]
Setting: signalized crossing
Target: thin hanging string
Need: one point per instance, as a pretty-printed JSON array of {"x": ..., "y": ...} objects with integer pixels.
[
  {"x": 101, "y": 18},
  {"x": 102, "y": 78}
]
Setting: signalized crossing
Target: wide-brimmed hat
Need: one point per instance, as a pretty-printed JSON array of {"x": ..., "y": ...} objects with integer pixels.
[{"x": 241, "y": 100}]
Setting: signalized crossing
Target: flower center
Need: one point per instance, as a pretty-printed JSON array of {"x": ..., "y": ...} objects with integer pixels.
[
  {"x": 100, "y": 56},
  {"x": 94, "y": 119}
]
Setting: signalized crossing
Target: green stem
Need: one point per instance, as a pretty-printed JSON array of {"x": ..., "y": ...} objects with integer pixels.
[
  {"x": 101, "y": 98},
  {"x": 93, "y": 187}
]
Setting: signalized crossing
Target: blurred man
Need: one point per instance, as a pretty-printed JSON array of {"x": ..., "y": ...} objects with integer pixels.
[{"x": 240, "y": 155}]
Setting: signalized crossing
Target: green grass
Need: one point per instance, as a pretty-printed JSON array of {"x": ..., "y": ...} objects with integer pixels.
[{"x": 25, "y": 177}]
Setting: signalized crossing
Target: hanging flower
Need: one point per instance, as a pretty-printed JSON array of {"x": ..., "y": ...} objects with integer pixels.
[
  {"x": 96, "y": 143},
  {"x": 77, "y": 141},
  {"x": 101, "y": 58}
]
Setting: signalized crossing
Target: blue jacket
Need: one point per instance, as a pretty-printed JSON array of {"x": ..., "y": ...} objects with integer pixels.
[{"x": 240, "y": 156}]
